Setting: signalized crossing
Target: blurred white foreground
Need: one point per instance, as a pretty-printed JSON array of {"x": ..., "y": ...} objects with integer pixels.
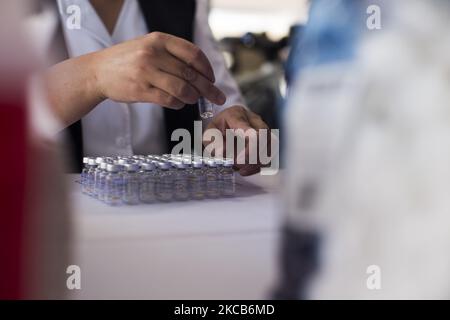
[{"x": 384, "y": 193}]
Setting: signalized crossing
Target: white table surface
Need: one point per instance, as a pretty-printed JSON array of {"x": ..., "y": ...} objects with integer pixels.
[{"x": 209, "y": 249}]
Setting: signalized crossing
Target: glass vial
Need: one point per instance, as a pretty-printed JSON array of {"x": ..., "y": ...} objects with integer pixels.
[
  {"x": 114, "y": 185},
  {"x": 212, "y": 190},
  {"x": 84, "y": 175},
  {"x": 90, "y": 177},
  {"x": 197, "y": 180},
  {"x": 131, "y": 184},
  {"x": 100, "y": 181},
  {"x": 164, "y": 184},
  {"x": 99, "y": 161},
  {"x": 227, "y": 179},
  {"x": 147, "y": 189},
  {"x": 205, "y": 108},
  {"x": 181, "y": 191}
]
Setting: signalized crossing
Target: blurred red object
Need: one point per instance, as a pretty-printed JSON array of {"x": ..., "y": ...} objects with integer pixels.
[
  {"x": 13, "y": 184},
  {"x": 34, "y": 213}
]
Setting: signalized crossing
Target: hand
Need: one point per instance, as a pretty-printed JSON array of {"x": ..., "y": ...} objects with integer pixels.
[
  {"x": 156, "y": 68},
  {"x": 238, "y": 117}
]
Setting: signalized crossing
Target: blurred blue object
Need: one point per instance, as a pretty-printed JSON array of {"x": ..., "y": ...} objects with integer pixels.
[
  {"x": 330, "y": 35},
  {"x": 292, "y": 64}
]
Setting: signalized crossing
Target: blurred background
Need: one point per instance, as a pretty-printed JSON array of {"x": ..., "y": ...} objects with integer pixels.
[{"x": 255, "y": 37}]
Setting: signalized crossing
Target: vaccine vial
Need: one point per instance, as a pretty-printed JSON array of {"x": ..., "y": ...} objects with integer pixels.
[
  {"x": 98, "y": 170},
  {"x": 114, "y": 185},
  {"x": 180, "y": 185},
  {"x": 212, "y": 188},
  {"x": 219, "y": 165},
  {"x": 227, "y": 179},
  {"x": 84, "y": 174},
  {"x": 147, "y": 188},
  {"x": 187, "y": 161},
  {"x": 131, "y": 183},
  {"x": 138, "y": 157},
  {"x": 164, "y": 184},
  {"x": 151, "y": 158},
  {"x": 173, "y": 164},
  {"x": 205, "y": 108},
  {"x": 100, "y": 181},
  {"x": 197, "y": 180},
  {"x": 166, "y": 156},
  {"x": 109, "y": 160},
  {"x": 90, "y": 177},
  {"x": 123, "y": 161}
]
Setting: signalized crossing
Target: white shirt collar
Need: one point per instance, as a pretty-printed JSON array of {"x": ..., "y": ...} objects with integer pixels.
[{"x": 91, "y": 22}]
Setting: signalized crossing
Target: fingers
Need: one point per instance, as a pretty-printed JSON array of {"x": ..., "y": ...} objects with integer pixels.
[
  {"x": 247, "y": 160},
  {"x": 243, "y": 130},
  {"x": 160, "y": 97},
  {"x": 238, "y": 120},
  {"x": 178, "y": 88},
  {"x": 184, "y": 71},
  {"x": 190, "y": 54},
  {"x": 204, "y": 86},
  {"x": 245, "y": 119},
  {"x": 256, "y": 121}
]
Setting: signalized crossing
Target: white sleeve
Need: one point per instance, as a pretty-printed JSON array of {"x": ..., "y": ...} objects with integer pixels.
[{"x": 204, "y": 38}]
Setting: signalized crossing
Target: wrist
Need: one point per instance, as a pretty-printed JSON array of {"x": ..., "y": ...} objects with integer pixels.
[{"x": 94, "y": 80}]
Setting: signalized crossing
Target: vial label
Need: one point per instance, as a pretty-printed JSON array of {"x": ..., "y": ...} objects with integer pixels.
[
  {"x": 131, "y": 189},
  {"x": 212, "y": 190},
  {"x": 164, "y": 186},
  {"x": 114, "y": 189},
  {"x": 181, "y": 191},
  {"x": 147, "y": 190},
  {"x": 91, "y": 182},
  {"x": 96, "y": 188},
  {"x": 84, "y": 188},
  {"x": 228, "y": 184},
  {"x": 197, "y": 184},
  {"x": 102, "y": 186}
]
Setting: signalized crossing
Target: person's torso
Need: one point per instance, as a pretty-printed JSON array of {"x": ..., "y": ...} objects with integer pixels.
[{"x": 117, "y": 128}]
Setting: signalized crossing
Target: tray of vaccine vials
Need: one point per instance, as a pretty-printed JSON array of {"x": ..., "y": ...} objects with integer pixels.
[{"x": 127, "y": 180}]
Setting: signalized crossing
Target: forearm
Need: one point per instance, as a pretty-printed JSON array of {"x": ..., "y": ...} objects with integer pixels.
[
  {"x": 72, "y": 88},
  {"x": 152, "y": 68}
]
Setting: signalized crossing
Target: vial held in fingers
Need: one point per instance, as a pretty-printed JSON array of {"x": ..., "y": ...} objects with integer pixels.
[{"x": 205, "y": 108}]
